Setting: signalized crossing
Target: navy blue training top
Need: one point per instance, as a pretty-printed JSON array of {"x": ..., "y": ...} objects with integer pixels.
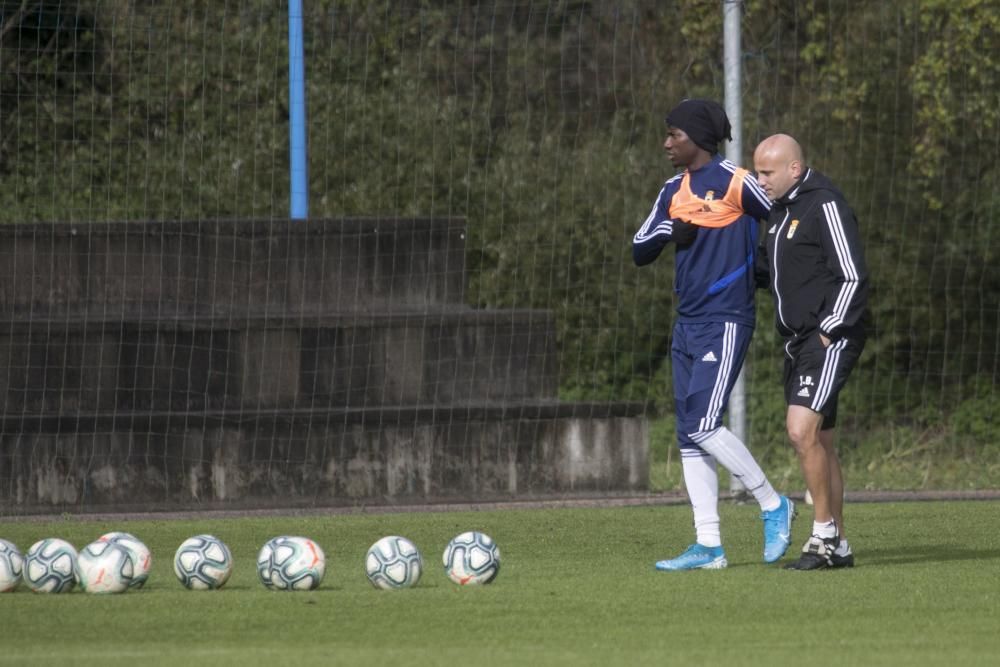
[{"x": 714, "y": 277}]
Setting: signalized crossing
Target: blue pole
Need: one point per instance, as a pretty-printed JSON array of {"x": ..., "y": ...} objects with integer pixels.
[{"x": 299, "y": 195}]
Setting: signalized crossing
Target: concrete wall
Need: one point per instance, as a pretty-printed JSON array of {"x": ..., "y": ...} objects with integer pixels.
[
  {"x": 278, "y": 363},
  {"x": 288, "y": 459}
]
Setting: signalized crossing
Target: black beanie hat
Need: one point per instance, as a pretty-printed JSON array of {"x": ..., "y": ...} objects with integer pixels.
[{"x": 704, "y": 121}]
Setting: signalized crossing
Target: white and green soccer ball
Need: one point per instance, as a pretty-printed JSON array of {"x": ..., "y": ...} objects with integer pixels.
[
  {"x": 289, "y": 563},
  {"x": 104, "y": 567},
  {"x": 11, "y": 565},
  {"x": 50, "y": 566},
  {"x": 393, "y": 562},
  {"x": 472, "y": 558},
  {"x": 203, "y": 562},
  {"x": 142, "y": 558}
]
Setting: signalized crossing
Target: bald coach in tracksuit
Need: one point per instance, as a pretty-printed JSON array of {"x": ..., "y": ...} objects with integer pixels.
[{"x": 812, "y": 260}]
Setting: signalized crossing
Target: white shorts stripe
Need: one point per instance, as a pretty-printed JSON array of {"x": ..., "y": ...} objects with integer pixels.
[
  {"x": 828, "y": 374},
  {"x": 716, "y": 402}
]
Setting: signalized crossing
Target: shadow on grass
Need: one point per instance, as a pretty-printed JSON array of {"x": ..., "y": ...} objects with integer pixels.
[{"x": 924, "y": 553}]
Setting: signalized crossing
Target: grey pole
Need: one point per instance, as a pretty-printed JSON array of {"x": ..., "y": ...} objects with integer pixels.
[{"x": 732, "y": 11}]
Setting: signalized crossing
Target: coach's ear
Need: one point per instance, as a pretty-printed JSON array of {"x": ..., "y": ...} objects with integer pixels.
[{"x": 684, "y": 233}]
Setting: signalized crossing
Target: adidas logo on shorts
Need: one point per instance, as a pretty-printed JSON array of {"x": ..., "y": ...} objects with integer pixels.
[
  {"x": 709, "y": 356},
  {"x": 804, "y": 392}
]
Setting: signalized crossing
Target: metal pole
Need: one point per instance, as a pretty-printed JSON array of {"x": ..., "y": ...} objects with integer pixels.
[
  {"x": 732, "y": 11},
  {"x": 299, "y": 187}
]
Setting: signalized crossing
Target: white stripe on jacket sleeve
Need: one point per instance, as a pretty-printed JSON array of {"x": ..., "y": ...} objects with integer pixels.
[{"x": 846, "y": 262}]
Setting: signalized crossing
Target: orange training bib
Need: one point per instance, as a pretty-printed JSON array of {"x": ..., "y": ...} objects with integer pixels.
[{"x": 709, "y": 212}]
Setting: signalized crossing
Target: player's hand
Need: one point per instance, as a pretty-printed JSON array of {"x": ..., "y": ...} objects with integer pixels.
[
  {"x": 823, "y": 339},
  {"x": 684, "y": 233}
]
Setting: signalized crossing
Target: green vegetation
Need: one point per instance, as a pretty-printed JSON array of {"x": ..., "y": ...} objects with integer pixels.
[
  {"x": 540, "y": 122},
  {"x": 889, "y": 458},
  {"x": 577, "y": 587}
]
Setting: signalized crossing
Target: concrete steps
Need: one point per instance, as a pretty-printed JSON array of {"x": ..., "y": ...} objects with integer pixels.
[
  {"x": 226, "y": 267},
  {"x": 275, "y": 363},
  {"x": 440, "y": 355}
]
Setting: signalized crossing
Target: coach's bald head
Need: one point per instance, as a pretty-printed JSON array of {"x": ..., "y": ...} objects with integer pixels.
[{"x": 779, "y": 163}]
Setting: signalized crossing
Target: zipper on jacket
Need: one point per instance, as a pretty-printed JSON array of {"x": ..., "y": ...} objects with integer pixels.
[{"x": 774, "y": 263}]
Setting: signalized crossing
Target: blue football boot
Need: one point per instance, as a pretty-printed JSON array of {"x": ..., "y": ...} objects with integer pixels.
[
  {"x": 696, "y": 557},
  {"x": 778, "y": 530}
]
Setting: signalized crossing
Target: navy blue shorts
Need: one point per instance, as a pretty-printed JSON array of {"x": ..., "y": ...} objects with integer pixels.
[{"x": 707, "y": 358}]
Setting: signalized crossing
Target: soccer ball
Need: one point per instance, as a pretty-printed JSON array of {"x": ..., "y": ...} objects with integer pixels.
[
  {"x": 393, "y": 562},
  {"x": 11, "y": 564},
  {"x": 203, "y": 562},
  {"x": 50, "y": 565},
  {"x": 142, "y": 558},
  {"x": 472, "y": 558},
  {"x": 291, "y": 564},
  {"x": 104, "y": 567}
]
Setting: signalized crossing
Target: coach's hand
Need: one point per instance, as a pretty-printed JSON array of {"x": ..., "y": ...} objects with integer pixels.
[{"x": 684, "y": 233}]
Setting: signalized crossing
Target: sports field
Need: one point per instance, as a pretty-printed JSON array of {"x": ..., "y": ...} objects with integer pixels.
[{"x": 577, "y": 587}]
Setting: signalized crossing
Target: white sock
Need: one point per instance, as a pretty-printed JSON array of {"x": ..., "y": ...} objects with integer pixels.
[
  {"x": 843, "y": 548},
  {"x": 702, "y": 482},
  {"x": 826, "y": 530},
  {"x": 737, "y": 459}
]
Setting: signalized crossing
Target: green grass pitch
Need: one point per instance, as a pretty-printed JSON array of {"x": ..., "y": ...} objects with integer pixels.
[{"x": 577, "y": 587}]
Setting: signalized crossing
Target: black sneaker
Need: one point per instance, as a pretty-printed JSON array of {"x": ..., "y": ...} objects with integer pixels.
[
  {"x": 817, "y": 554},
  {"x": 846, "y": 560}
]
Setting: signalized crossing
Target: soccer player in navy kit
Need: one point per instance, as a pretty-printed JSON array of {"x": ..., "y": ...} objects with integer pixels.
[
  {"x": 710, "y": 212},
  {"x": 812, "y": 260}
]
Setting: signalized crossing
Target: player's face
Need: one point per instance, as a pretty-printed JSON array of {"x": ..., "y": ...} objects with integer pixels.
[
  {"x": 775, "y": 173},
  {"x": 680, "y": 149}
]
